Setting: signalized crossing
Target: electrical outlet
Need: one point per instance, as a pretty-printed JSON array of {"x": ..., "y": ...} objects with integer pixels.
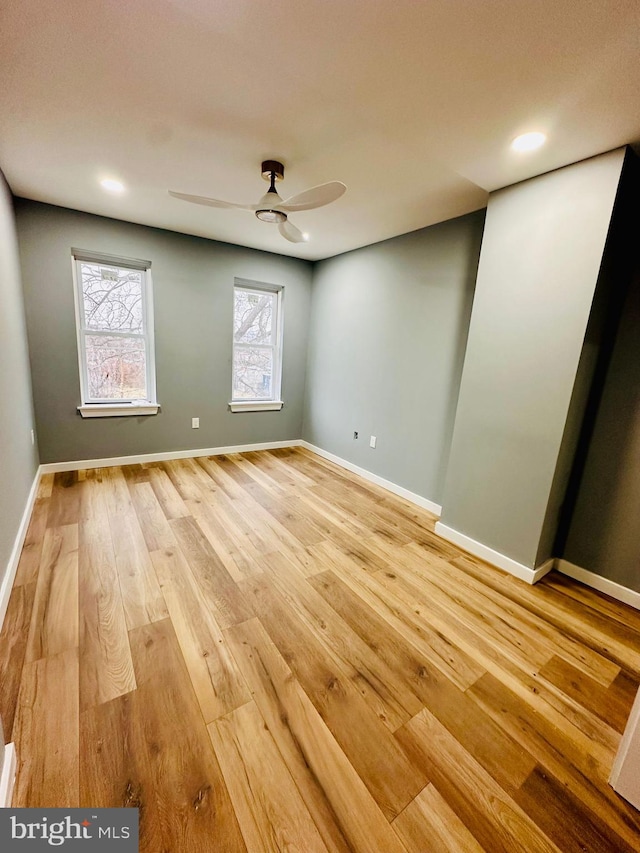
[
  {"x": 372, "y": 441},
  {"x": 195, "y": 423},
  {"x": 355, "y": 433},
  {"x": 33, "y": 436}
]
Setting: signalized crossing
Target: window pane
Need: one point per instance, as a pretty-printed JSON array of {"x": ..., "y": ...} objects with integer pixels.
[
  {"x": 112, "y": 298},
  {"x": 252, "y": 316},
  {"x": 116, "y": 368},
  {"x": 252, "y": 374}
]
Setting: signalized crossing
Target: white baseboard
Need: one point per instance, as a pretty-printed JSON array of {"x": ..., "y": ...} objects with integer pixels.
[
  {"x": 12, "y": 566},
  {"x": 79, "y": 465},
  {"x": 544, "y": 569},
  {"x": 425, "y": 503},
  {"x": 494, "y": 557},
  {"x": 8, "y": 777},
  {"x": 615, "y": 590}
]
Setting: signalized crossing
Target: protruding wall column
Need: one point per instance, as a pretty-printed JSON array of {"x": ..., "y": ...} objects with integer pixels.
[
  {"x": 542, "y": 248},
  {"x": 625, "y": 775}
]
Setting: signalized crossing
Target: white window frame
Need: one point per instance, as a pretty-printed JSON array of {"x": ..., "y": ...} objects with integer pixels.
[
  {"x": 275, "y": 403},
  {"x": 106, "y": 408}
]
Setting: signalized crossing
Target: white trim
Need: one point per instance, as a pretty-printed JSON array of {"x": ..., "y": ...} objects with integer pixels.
[
  {"x": 609, "y": 587},
  {"x": 256, "y": 406},
  {"x": 8, "y": 776},
  {"x": 414, "y": 498},
  {"x": 497, "y": 559},
  {"x": 117, "y": 410},
  {"x": 79, "y": 465},
  {"x": 12, "y": 566},
  {"x": 544, "y": 569},
  {"x": 146, "y": 335},
  {"x": 109, "y": 260},
  {"x": 252, "y": 284},
  {"x": 275, "y": 347},
  {"x": 150, "y": 337}
]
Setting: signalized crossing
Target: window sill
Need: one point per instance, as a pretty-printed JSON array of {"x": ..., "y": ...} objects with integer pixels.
[
  {"x": 256, "y": 405},
  {"x": 117, "y": 410}
]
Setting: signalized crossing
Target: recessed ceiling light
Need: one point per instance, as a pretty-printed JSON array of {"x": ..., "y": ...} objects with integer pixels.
[
  {"x": 112, "y": 186},
  {"x": 305, "y": 235},
  {"x": 528, "y": 141}
]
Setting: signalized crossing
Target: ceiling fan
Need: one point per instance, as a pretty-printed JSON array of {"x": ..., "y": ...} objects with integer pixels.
[{"x": 271, "y": 208}]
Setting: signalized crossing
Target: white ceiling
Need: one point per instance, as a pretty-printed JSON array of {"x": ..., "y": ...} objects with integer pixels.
[{"x": 412, "y": 104}]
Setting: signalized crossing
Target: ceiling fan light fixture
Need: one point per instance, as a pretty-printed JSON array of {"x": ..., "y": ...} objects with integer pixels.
[{"x": 271, "y": 215}]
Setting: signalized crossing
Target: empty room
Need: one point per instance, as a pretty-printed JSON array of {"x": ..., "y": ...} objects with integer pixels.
[{"x": 320, "y": 426}]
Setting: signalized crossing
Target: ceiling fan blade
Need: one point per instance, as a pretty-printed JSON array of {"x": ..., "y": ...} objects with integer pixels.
[
  {"x": 290, "y": 232},
  {"x": 212, "y": 202},
  {"x": 315, "y": 197}
]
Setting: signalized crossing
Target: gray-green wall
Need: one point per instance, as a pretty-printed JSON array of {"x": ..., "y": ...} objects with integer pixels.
[
  {"x": 18, "y": 457},
  {"x": 387, "y": 338},
  {"x": 541, "y": 252},
  {"x": 193, "y": 297},
  {"x": 604, "y": 536}
]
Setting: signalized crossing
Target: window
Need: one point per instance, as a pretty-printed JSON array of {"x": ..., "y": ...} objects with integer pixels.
[
  {"x": 257, "y": 347},
  {"x": 114, "y": 316}
]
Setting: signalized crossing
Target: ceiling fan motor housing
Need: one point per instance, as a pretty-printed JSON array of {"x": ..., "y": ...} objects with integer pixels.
[{"x": 272, "y": 167}]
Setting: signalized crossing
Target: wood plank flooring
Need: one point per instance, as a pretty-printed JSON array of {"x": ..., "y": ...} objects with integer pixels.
[{"x": 264, "y": 652}]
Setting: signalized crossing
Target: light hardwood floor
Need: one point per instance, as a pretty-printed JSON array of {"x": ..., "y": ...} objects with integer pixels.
[{"x": 266, "y": 653}]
